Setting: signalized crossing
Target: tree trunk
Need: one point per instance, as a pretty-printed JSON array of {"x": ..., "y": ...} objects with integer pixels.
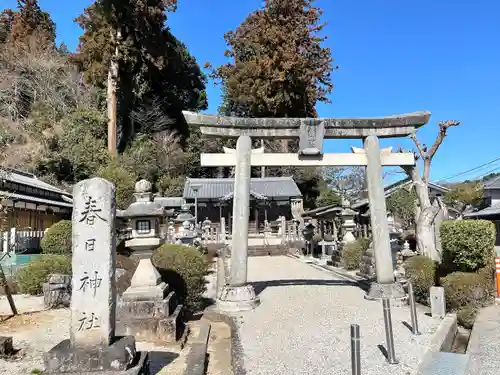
[
  {"x": 112, "y": 101},
  {"x": 426, "y": 243},
  {"x": 7, "y": 291},
  {"x": 425, "y": 216}
]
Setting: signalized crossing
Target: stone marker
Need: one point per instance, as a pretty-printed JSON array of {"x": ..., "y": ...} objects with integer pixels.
[
  {"x": 57, "y": 291},
  {"x": 438, "y": 302},
  {"x": 93, "y": 303},
  {"x": 92, "y": 346}
]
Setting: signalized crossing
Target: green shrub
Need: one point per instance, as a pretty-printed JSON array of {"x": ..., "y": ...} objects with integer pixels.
[
  {"x": 31, "y": 277},
  {"x": 57, "y": 240},
  {"x": 184, "y": 270},
  {"x": 171, "y": 186},
  {"x": 124, "y": 182},
  {"x": 421, "y": 272},
  {"x": 466, "y": 316},
  {"x": 468, "y": 289},
  {"x": 467, "y": 244},
  {"x": 353, "y": 252},
  {"x": 129, "y": 265}
]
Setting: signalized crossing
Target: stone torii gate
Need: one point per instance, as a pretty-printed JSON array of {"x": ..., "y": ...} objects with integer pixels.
[{"x": 311, "y": 133}]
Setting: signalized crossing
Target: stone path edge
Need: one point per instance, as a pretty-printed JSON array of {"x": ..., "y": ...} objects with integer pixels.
[
  {"x": 197, "y": 357},
  {"x": 211, "y": 314},
  {"x": 442, "y": 340}
]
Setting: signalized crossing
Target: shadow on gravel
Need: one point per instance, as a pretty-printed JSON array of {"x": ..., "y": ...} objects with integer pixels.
[
  {"x": 383, "y": 350},
  {"x": 259, "y": 286},
  {"x": 407, "y": 325}
]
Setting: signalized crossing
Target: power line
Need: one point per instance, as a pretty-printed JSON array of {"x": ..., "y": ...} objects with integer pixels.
[
  {"x": 469, "y": 170},
  {"x": 487, "y": 173}
]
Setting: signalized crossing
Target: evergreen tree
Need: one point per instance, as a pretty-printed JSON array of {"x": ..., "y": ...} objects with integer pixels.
[
  {"x": 29, "y": 20},
  {"x": 278, "y": 68},
  {"x": 152, "y": 63}
]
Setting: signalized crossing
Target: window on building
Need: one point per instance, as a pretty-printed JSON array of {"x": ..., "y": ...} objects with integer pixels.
[{"x": 143, "y": 226}]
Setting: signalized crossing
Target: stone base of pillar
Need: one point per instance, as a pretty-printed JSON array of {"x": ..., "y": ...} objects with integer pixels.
[
  {"x": 148, "y": 309},
  {"x": 119, "y": 358},
  {"x": 393, "y": 291},
  {"x": 234, "y": 299}
]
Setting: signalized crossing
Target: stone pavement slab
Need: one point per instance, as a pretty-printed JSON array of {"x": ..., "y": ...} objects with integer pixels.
[
  {"x": 303, "y": 324},
  {"x": 484, "y": 342}
]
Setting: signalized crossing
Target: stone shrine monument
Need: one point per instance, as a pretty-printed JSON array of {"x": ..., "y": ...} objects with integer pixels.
[
  {"x": 147, "y": 309},
  {"x": 311, "y": 133},
  {"x": 93, "y": 347}
]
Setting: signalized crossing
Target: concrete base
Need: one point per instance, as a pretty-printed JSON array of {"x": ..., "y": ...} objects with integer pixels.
[
  {"x": 155, "y": 320},
  {"x": 65, "y": 358},
  {"x": 379, "y": 291},
  {"x": 140, "y": 367},
  {"x": 145, "y": 293},
  {"x": 237, "y": 298}
]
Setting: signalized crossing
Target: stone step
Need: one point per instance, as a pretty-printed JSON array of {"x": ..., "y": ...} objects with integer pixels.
[
  {"x": 267, "y": 250},
  {"x": 172, "y": 328},
  {"x": 443, "y": 363}
]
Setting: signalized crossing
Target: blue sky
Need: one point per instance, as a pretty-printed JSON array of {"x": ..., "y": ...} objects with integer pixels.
[{"x": 394, "y": 57}]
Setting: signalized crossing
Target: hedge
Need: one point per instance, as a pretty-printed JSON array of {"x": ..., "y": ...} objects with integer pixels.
[
  {"x": 57, "y": 240},
  {"x": 184, "y": 270},
  {"x": 421, "y": 272},
  {"x": 467, "y": 244},
  {"x": 353, "y": 252},
  {"x": 36, "y": 272},
  {"x": 468, "y": 289}
]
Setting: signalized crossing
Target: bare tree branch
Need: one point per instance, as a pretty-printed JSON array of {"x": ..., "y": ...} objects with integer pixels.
[
  {"x": 421, "y": 148},
  {"x": 443, "y": 128},
  {"x": 347, "y": 182}
]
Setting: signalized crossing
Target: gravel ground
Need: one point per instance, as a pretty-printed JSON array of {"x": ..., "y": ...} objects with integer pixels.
[
  {"x": 303, "y": 324},
  {"x": 24, "y": 304},
  {"x": 36, "y": 333}
]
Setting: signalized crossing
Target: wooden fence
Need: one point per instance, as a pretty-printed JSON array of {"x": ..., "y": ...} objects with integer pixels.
[{"x": 20, "y": 241}]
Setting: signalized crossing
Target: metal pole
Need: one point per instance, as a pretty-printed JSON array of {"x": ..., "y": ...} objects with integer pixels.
[
  {"x": 355, "y": 350},
  {"x": 391, "y": 355},
  {"x": 196, "y": 210},
  {"x": 413, "y": 310}
]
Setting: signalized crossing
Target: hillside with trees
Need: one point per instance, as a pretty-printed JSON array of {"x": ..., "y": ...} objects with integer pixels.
[{"x": 131, "y": 71}]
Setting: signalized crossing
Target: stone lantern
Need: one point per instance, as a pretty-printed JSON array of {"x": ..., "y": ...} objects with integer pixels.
[
  {"x": 143, "y": 308},
  {"x": 144, "y": 216},
  {"x": 185, "y": 215},
  {"x": 348, "y": 224},
  {"x": 206, "y": 227},
  {"x": 187, "y": 234},
  {"x": 308, "y": 233}
]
